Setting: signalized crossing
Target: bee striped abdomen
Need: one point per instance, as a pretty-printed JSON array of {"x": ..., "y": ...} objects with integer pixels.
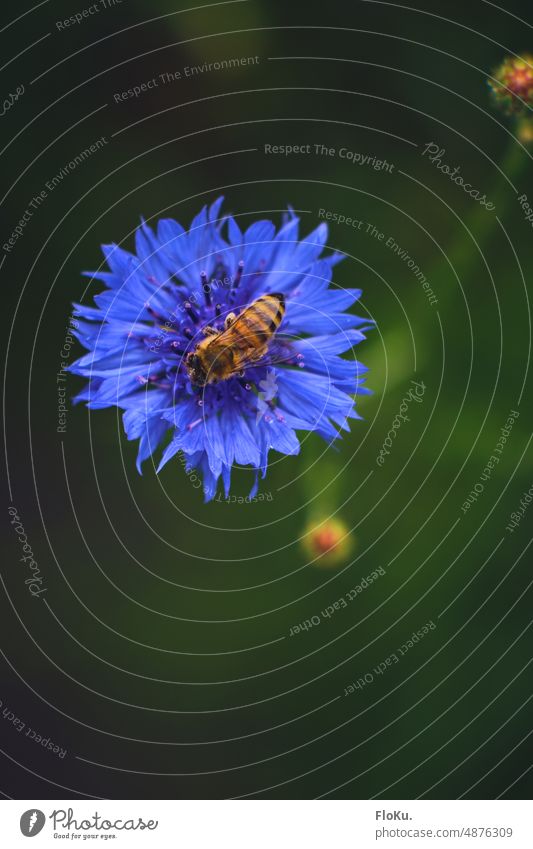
[
  {"x": 263, "y": 318},
  {"x": 276, "y": 305}
]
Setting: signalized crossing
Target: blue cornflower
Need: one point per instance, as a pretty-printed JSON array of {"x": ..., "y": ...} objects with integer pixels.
[{"x": 155, "y": 310}]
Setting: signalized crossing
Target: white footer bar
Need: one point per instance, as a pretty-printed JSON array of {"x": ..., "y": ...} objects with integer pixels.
[{"x": 268, "y": 824}]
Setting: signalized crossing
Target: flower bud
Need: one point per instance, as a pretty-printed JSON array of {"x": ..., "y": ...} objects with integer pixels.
[
  {"x": 511, "y": 84},
  {"x": 328, "y": 542}
]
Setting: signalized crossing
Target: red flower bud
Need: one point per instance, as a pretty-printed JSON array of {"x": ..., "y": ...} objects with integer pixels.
[
  {"x": 328, "y": 542},
  {"x": 512, "y": 84}
]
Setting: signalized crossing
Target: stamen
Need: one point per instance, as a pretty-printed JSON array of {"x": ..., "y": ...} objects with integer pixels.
[
  {"x": 193, "y": 315},
  {"x": 193, "y": 424},
  {"x": 187, "y": 332},
  {"x": 177, "y": 349},
  {"x": 206, "y": 288},
  {"x": 238, "y": 275},
  {"x": 218, "y": 310}
]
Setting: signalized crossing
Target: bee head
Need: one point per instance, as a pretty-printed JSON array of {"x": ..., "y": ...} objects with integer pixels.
[{"x": 195, "y": 369}]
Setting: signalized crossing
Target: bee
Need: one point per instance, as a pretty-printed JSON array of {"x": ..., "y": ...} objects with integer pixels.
[{"x": 243, "y": 341}]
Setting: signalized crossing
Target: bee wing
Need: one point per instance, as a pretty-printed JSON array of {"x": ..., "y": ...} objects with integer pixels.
[{"x": 275, "y": 355}]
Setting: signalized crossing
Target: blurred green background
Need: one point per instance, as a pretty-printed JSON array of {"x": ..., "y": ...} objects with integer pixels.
[{"x": 160, "y": 655}]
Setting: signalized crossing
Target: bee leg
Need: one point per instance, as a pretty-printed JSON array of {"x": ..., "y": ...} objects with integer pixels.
[
  {"x": 209, "y": 331},
  {"x": 258, "y": 354},
  {"x": 228, "y": 321}
]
